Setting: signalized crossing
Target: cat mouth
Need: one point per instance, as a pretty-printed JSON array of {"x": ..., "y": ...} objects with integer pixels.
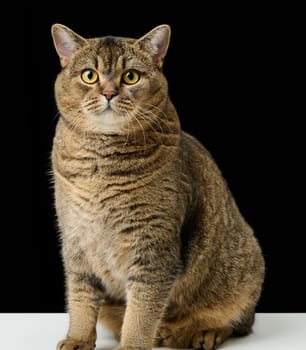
[{"x": 109, "y": 108}]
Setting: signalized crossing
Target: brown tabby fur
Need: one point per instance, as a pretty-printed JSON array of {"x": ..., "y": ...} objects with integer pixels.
[{"x": 153, "y": 243}]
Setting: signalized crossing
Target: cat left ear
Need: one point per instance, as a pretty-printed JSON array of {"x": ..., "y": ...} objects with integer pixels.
[
  {"x": 156, "y": 43},
  {"x": 66, "y": 42}
]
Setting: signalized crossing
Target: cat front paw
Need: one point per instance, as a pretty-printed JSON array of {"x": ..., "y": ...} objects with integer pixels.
[
  {"x": 72, "y": 344},
  {"x": 131, "y": 348}
]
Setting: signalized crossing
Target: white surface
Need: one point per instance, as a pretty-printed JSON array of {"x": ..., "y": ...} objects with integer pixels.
[{"x": 43, "y": 331}]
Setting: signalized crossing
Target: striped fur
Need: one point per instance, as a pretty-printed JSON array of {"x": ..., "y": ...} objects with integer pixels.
[{"x": 153, "y": 243}]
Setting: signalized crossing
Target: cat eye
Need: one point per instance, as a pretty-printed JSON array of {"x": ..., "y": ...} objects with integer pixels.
[
  {"x": 89, "y": 76},
  {"x": 130, "y": 77}
]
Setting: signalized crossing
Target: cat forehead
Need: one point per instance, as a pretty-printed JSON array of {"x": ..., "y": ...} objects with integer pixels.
[
  {"x": 111, "y": 51},
  {"x": 111, "y": 40},
  {"x": 115, "y": 44},
  {"x": 110, "y": 48}
]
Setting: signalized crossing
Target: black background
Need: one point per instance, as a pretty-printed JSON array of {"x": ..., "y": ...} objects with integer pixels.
[{"x": 237, "y": 79}]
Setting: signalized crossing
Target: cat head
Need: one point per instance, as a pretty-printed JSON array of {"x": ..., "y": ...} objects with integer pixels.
[{"x": 111, "y": 85}]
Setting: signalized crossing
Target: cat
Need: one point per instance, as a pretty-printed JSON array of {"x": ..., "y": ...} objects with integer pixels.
[{"x": 153, "y": 243}]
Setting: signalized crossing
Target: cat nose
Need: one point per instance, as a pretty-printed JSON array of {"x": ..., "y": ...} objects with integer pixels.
[{"x": 109, "y": 94}]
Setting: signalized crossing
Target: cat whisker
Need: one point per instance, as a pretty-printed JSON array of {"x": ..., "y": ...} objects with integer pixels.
[
  {"x": 150, "y": 125},
  {"x": 128, "y": 133},
  {"x": 55, "y": 117},
  {"x": 155, "y": 119},
  {"x": 134, "y": 116},
  {"x": 158, "y": 120},
  {"x": 160, "y": 112},
  {"x": 90, "y": 102},
  {"x": 141, "y": 115},
  {"x": 75, "y": 123}
]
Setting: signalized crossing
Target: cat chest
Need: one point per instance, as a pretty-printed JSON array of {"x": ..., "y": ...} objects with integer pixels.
[
  {"x": 104, "y": 251},
  {"x": 90, "y": 232}
]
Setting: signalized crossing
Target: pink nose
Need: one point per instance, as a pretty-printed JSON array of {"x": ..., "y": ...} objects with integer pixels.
[{"x": 109, "y": 94}]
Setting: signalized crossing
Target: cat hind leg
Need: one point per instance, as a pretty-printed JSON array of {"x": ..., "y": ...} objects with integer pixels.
[
  {"x": 186, "y": 335},
  {"x": 244, "y": 326},
  {"x": 184, "y": 338},
  {"x": 171, "y": 337},
  {"x": 210, "y": 339}
]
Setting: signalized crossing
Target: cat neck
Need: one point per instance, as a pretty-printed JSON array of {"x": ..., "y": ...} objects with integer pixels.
[
  {"x": 116, "y": 154},
  {"x": 163, "y": 132}
]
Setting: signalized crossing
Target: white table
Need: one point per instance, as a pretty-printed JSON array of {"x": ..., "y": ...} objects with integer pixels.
[{"x": 42, "y": 332}]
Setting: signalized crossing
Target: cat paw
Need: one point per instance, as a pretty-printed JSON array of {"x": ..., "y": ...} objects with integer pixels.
[
  {"x": 131, "y": 348},
  {"x": 209, "y": 340},
  {"x": 169, "y": 338},
  {"x": 71, "y": 344}
]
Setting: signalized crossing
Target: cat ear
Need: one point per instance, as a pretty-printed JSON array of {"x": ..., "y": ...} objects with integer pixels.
[
  {"x": 156, "y": 43},
  {"x": 66, "y": 42}
]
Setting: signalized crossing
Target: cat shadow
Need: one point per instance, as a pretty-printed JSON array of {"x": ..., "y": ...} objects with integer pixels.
[{"x": 267, "y": 332}]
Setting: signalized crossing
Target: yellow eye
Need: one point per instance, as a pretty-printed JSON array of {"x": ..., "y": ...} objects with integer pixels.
[
  {"x": 130, "y": 77},
  {"x": 89, "y": 76}
]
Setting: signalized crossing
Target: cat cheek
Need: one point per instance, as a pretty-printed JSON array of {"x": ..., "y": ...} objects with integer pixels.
[{"x": 137, "y": 92}]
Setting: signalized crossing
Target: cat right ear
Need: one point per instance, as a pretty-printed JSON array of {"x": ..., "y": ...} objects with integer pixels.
[
  {"x": 66, "y": 42},
  {"x": 156, "y": 43}
]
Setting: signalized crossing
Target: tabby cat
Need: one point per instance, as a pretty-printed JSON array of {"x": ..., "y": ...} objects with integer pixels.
[{"x": 153, "y": 244}]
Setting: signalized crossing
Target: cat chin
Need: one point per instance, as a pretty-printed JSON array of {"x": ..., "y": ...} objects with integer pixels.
[{"x": 108, "y": 122}]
